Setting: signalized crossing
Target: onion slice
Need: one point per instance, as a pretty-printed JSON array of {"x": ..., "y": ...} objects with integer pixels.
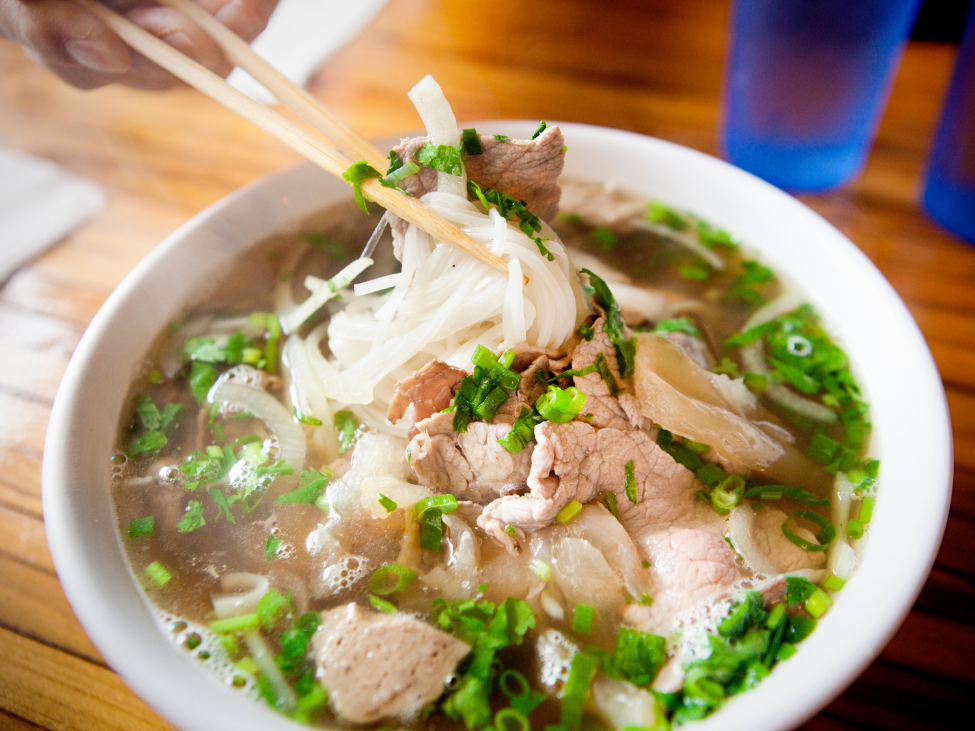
[
  {"x": 240, "y": 594},
  {"x": 741, "y": 522},
  {"x": 279, "y": 421}
]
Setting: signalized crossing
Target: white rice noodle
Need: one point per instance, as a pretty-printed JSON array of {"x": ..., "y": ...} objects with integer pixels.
[
  {"x": 269, "y": 669},
  {"x": 307, "y": 395},
  {"x": 345, "y": 388},
  {"x": 239, "y": 594},
  {"x": 321, "y": 292},
  {"x": 438, "y": 118},
  {"x": 279, "y": 421},
  {"x": 740, "y": 523},
  {"x": 378, "y": 284},
  {"x": 840, "y": 557}
]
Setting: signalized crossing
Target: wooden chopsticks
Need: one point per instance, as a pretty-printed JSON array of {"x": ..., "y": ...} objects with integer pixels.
[{"x": 343, "y": 138}]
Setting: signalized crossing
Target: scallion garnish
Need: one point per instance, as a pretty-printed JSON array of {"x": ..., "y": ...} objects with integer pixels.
[
  {"x": 582, "y": 617},
  {"x": 834, "y": 583},
  {"x": 611, "y": 504},
  {"x": 141, "y": 527},
  {"x": 522, "y": 431},
  {"x": 241, "y": 623},
  {"x": 346, "y": 425},
  {"x": 271, "y": 608},
  {"x": 522, "y": 697},
  {"x": 629, "y": 484},
  {"x": 390, "y": 578},
  {"x": 271, "y": 547},
  {"x": 825, "y": 536},
  {"x": 509, "y": 719},
  {"x": 158, "y": 573},
  {"x": 382, "y": 605},
  {"x": 539, "y": 129},
  {"x": 726, "y": 494},
  {"x": 560, "y": 405},
  {"x": 613, "y": 326},
  {"x": 569, "y": 511},
  {"x": 429, "y": 514},
  {"x": 388, "y": 504},
  {"x": 818, "y": 603},
  {"x": 582, "y": 670}
]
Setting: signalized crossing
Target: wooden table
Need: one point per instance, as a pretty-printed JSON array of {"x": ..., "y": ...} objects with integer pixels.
[{"x": 653, "y": 67}]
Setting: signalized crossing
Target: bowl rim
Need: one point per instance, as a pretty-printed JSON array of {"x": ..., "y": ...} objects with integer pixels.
[{"x": 211, "y": 705}]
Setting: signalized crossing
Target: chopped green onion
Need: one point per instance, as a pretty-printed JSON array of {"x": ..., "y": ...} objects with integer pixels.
[
  {"x": 755, "y": 382},
  {"x": 523, "y": 698},
  {"x": 727, "y": 493},
  {"x": 611, "y": 504},
  {"x": 825, "y": 536},
  {"x": 443, "y": 503},
  {"x": 834, "y": 583},
  {"x": 346, "y": 425},
  {"x": 567, "y": 513},
  {"x": 382, "y": 605},
  {"x": 785, "y": 651},
  {"x": 402, "y": 577},
  {"x": 560, "y": 404},
  {"x": 522, "y": 431},
  {"x": 776, "y": 616},
  {"x": 629, "y": 485},
  {"x": 501, "y": 138},
  {"x": 271, "y": 608},
  {"x": 539, "y": 129},
  {"x": 509, "y": 529},
  {"x": 241, "y": 623},
  {"x": 431, "y": 530},
  {"x": 541, "y": 569},
  {"x": 472, "y": 143},
  {"x": 508, "y": 719},
  {"x": 613, "y": 326},
  {"x": 158, "y": 573},
  {"x": 818, "y": 603},
  {"x": 866, "y": 509},
  {"x": 695, "y": 272},
  {"x": 799, "y": 629},
  {"x": 710, "y": 474},
  {"x": 582, "y": 617},
  {"x": 141, "y": 527},
  {"x": 581, "y": 673},
  {"x": 388, "y": 504},
  {"x": 798, "y": 590},
  {"x": 854, "y": 529},
  {"x": 646, "y": 564},
  {"x": 822, "y": 448}
]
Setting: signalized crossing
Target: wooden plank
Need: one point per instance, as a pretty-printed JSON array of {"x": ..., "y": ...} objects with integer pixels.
[
  {"x": 22, "y": 539},
  {"x": 35, "y": 606},
  {"x": 891, "y": 697},
  {"x": 10, "y": 722},
  {"x": 948, "y": 595},
  {"x": 21, "y": 469},
  {"x": 958, "y": 546},
  {"x": 920, "y": 643},
  {"x": 58, "y": 691},
  {"x": 24, "y": 423},
  {"x": 33, "y": 373}
]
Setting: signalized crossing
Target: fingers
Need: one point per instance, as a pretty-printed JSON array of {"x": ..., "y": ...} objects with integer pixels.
[
  {"x": 60, "y": 34},
  {"x": 79, "y": 48}
]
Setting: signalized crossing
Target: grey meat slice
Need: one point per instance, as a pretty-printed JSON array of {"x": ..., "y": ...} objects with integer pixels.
[
  {"x": 621, "y": 412},
  {"x": 527, "y": 170},
  {"x": 470, "y": 465},
  {"x": 380, "y": 665},
  {"x": 429, "y": 389}
]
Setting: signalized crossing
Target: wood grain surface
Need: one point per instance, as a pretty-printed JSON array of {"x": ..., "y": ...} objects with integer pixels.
[{"x": 649, "y": 66}]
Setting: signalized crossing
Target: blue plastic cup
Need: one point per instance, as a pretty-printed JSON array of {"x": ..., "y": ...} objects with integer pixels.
[
  {"x": 949, "y": 187},
  {"x": 805, "y": 83}
]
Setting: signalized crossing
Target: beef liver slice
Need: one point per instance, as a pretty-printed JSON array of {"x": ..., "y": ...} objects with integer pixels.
[{"x": 379, "y": 665}]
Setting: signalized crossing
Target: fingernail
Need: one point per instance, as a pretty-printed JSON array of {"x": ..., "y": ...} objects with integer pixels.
[{"x": 95, "y": 56}]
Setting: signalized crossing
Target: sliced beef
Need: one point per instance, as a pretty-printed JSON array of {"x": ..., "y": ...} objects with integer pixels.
[
  {"x": 470, "y": 465},
  {"x": 527, "y": 170},
  {"x": 380, "y": 665},
  {"x": 430, "y": 389},
  {"x": 621, "y": 412}
]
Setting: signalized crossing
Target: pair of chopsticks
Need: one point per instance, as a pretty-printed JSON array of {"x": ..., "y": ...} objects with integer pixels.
[{"x": 345, "y": 145}]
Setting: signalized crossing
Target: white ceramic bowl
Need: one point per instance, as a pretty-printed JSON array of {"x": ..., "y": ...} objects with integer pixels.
[{"x": 911, "y": 428}]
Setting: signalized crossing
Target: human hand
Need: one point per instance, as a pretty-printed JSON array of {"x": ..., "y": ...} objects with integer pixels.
[{"x": 62, "y": 37}]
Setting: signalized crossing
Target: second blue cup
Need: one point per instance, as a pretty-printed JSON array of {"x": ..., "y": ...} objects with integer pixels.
[{"x": 806, "y": 81}]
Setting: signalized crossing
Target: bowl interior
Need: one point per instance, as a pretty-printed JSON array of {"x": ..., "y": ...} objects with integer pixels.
[{"x": 890, "y": 357}]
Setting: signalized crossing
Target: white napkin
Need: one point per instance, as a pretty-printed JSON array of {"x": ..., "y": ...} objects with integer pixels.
[
  {"x": 301, "y": 35},
  {"x": 40, "y": 203}
]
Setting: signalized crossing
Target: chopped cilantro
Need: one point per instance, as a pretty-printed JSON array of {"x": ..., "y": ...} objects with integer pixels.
[
  {"x": 747, "y": 286},
  {"x": 472, "y": 143},
  {"x": 331, "y": 248},
  {"x": 613, "y": 325},
  {"x": 604, "y": 238},
  {"x": 192, "y": 518},
  {"x": 357, "y": 173},
  {"x": 678, "y": 325},
  {"x": 271, "y": 547},
  {"x": 311, "y": 485},
  {"x": 443, "y": 158}
]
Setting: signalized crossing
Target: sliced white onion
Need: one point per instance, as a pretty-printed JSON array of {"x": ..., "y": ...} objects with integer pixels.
[
  {"x": 622, "y": 705},
  {"x": 753, "y": 359},
  {"x": 740, "y": 523},
  {"x": 239, "y": 595},
  {"x": 269, "y": 669},
  {"x": 279, "y": 421},
  {"x": 685, "y": 240},
  {"x": 776, "y": 308},
  {"x": 322, "y": 293},
  {"x": 438, "y": 118}
]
